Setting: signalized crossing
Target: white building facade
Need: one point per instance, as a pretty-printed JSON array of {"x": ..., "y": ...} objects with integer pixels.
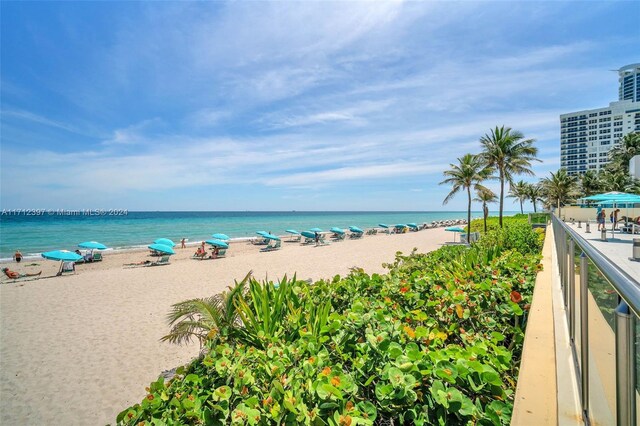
[{"x": 587, "y": 136}]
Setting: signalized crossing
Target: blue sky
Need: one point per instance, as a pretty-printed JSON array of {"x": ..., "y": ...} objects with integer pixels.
[{"x": 287, "y": 105}]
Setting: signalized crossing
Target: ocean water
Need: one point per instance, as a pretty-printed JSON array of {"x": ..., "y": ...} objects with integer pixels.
[{"x": 43, "y": 232}]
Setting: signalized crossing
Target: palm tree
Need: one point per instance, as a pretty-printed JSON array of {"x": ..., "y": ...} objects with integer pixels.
[
  {"x": 206, "y": 318},
  {"x": 559, "y": 188},
  {"x": 510, "y": 154},
  {"x": 534, "y": 194},
  {"x": 485, "y": 196},
  {"x": 590, "y": 183},
  {"x": 621, "y": 153},
  {"x": 468, "y": 174},
  {"x": 615, "y": 179},
  {"x": 519, "y": 190}
]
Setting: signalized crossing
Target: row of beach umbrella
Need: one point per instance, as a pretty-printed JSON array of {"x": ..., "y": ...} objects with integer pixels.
[{"x": 165, "y": 245}]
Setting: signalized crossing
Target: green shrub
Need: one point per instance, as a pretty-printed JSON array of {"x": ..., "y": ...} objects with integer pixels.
[{"x": 436, "y": 340}]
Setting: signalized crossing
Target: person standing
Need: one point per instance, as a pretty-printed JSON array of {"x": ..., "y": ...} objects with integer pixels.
[
  {"x": 615, "y": 219},
  {"x": 17, "y": 256},
  {"x": 601, "y": 218},
  {"x": 182, "y": 243}
]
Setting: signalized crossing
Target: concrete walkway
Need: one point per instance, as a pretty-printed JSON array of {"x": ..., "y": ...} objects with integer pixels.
[{"x": 617, "y": 248}]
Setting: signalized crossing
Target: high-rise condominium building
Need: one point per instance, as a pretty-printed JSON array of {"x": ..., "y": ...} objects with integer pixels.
[
  {"x": 629, "y": 83},
  {"x": 587, "y": 136}
]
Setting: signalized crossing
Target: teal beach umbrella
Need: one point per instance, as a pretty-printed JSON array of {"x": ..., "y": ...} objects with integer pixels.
[
  {"x": 315, "y": 230},
  {"x": 308, "y": 234},
  {"x": 454, "y": 229},
  {"x": 162, "y": 248},
  {"x": 93, "y": 245},
  {"x": 165, "y": 242},
  {"x": 62, "y": 255},
  {"x": 336, "y": 230},
  {"x": 355, "y": 229},
  {"x": 222, "y": 237},
  {"x": 218, "y": 243}
]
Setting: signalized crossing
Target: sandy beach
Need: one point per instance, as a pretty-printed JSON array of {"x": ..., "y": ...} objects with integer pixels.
[{"x": 78, "y": 349}]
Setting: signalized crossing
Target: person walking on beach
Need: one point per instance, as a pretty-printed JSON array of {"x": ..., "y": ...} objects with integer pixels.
[
  {"x": 317, "y": 236},
  {"x": 182, "y": 243},
  {"x": 17, "y": 256}
]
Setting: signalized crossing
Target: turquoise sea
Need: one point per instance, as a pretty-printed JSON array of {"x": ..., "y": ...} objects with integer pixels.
[{"x": 44, "y": 231}]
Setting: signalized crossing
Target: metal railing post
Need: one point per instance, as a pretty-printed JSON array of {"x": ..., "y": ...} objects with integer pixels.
[
  {"x": 572, "y": 290},
  {"x": 625, "y": 358},
  {"x": 584, "y": 331},
  {"x": 565, "y": 268}
]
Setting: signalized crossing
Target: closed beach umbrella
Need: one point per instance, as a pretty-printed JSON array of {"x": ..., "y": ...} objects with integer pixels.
[
  {"x": 162, "y": 248},
  {"x": 293, "y": 231},
  {"x": 355, "y": 229},
  {"x": 222, "y": 237},
  {"x": 218, "y": 243},
  {"x": 315, "y": 230},
  {"x": 383, "y": 225},
  {"x": 93, "y": 245},
  {"x": 62, "y": 255},
  {"x": 165, "y": 242},
  {"x": 337, "y": 230}
]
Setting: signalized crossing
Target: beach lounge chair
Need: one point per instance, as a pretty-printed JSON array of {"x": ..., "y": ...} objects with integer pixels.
[
  {"x": 67, "y": 267},
  {"x": 97, "y": 256},
  {"x": 338, "y": 237},
  {"x": 631, "y": 228},
  {"x": 473, "y": 237},
  {"x": 164, "y": 260},
  {"x": 269, "y": 247}
]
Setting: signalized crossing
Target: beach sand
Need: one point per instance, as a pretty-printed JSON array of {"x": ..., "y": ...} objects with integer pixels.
[{"x": 78, "y": 349}]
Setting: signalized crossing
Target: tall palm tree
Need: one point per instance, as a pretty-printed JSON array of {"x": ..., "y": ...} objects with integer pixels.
[
  {"x": 468, "y": 174},
  {"x": 519, "y": 190},
  {"x": 485, "y": 196},
  {"x": 534, "y": 194},
  {"x": 590, "y": 183},
  {"x": 559, "y": 188},
  {"x": 509, "y": 153},
  {"x": 206, "y": 318}
]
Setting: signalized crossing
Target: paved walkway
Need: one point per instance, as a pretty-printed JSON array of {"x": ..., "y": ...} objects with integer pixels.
[{"x": 618, "y": 247}]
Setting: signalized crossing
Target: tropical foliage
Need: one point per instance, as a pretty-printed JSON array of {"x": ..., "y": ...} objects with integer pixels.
[
  {"x": 509, "y": 153},
  {"x": 436, "y": 340}
]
